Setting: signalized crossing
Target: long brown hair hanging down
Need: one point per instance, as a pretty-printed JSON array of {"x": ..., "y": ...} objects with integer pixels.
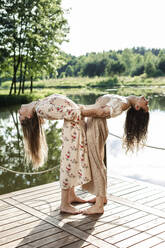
[{"x": 135, "y": 129}]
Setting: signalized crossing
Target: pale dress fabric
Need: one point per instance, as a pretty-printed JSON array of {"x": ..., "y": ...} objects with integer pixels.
[
  {"x": 74, "y": 165},
  {"x": 97, "y": 133}
]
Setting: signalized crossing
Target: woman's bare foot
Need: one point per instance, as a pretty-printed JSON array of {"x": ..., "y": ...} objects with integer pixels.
[
  {"x": 69, "y": 209},
  {"x": 93, "y": 210},
  {"x": 73, "y": 198},
  {"x": 93, "y": 200},
  {"x": 77, "y": 199}
]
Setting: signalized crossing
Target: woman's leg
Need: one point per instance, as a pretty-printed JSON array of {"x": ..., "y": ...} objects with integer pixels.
[
  {"x": 74, "y": 198},
  {"x": 65, "y": 206}
]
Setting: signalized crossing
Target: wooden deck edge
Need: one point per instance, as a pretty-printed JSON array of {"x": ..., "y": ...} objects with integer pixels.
[
  {"x": 21, "y": 191},
  {"x": 138, "y": 206},
  {"x": 115, "y": 176}
]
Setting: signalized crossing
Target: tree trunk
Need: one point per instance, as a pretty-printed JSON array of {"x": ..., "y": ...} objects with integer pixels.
[
  {"x": 31, "y": 84},
  {"x": 20, "y": 80},
  {"x": 13, "y": 84},
  {"x": 24, "y": 72},
  {"x": 14, "y": 80},
  {"x": 14, "y": 76}
]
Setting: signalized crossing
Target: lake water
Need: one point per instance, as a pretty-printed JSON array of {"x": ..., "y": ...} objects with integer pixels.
[{"x": 147, "y": 165}]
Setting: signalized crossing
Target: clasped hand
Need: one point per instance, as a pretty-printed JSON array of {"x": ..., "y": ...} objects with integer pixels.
[{"x": 103, "y": 111}]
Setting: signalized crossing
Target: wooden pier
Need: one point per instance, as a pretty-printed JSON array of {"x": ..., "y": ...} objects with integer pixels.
[{"x": 134, "y": 217}]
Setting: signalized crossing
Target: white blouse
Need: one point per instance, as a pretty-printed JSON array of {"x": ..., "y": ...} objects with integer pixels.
[{"x": 115, "y": 103}]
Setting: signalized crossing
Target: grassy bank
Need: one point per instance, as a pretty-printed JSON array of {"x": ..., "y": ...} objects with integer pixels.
[
  {"x": 74, "y": 86},
  {"x": 81, "y": 82}
]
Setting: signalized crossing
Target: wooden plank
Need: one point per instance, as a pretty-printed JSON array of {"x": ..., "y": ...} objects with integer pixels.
[
  {"x": 148, "y": 243},
  {"x": 14, "y": 219},
  {"x": 79, "y": 243},
  {"x": 121, "y": 236},
  {"x": 18, "y": 229},
  {"x": 157, "y": 230},
  {"x": 18, "y": 223},
  {"x": 146, "y": 196},
  {"x": 123, "y": 188},
  {"x": 38, "y": 202},
  {"x": 100, "y": 227},
  {"x": 138, "y": 206},
  {"x": 4, "y": 206},
  {"x": 160, "y": 206},
  {"x": 50, "y": 199},
  {"x": 45, "y": 206},
  {"x": 155, "y": 202},
  {"x": 42, "y": 196},
  {"x": 32, "y": 195},
  {"x": 129, "y": 218},
  {"x": 10, "y": 213},
  {"x": 65, "y": 242},
  {"x": 40, "y": 230},
  {"x": 111, "y": 215},
  {"x": 132, "y": 240},
  {"x": 122, "y": 185},
  {"x": 31, "y": 189},
  {"x": 160, "y": 245},
  {"x": 151, "y": 224},
  {"x": 151, "y": 197},
  {"x": 130, "y": 190},
  {"x": 36, "y": 240},
  {"x": 9, "y": 210},
  {"x": 140, "y": 221},
  {"x": 161, "y": 235},
  {"x": 116, "y": 230},
  {"x": 103, "y": 219}
]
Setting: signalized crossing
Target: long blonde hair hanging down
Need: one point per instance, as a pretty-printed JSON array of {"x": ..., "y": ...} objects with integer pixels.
[{"x": 35, "y": 145}]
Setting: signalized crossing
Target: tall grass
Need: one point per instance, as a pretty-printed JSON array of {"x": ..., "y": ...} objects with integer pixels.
[{"x": 83, "y": 85}]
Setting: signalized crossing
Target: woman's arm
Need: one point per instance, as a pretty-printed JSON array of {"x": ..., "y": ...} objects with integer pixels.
[{"x": 95, "y": 111}]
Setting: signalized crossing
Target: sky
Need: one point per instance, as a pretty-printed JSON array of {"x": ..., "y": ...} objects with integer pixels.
[{"x": 103, "y": 25}]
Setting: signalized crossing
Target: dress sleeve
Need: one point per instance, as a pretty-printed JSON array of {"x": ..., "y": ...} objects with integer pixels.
[
  {"x": 115, "y": 103},
  {"x": 115, "y": 110},
  {"x": 58, "y": 109}
]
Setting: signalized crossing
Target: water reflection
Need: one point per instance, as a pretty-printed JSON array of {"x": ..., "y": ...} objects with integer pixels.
[
  {"x": 12, "y": 155},
  {"x": 147, "y": 165}
]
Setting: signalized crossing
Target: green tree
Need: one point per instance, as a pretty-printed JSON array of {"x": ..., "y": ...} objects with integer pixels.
[
  {"x": 149, "y": 69},
  {"x": 127, "y": 59},
  {"x": 150, "y": 64},
  {"x": 161, "y": 63},
  {"x": 115, "y": 67},
  {"x": 138, "y": 65},
  {"x": 31, "y": 32},
  {"x": 69, "y": 71}
]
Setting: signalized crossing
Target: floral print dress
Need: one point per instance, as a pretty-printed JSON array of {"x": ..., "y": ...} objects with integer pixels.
[{"x": 74, "y": 166}]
